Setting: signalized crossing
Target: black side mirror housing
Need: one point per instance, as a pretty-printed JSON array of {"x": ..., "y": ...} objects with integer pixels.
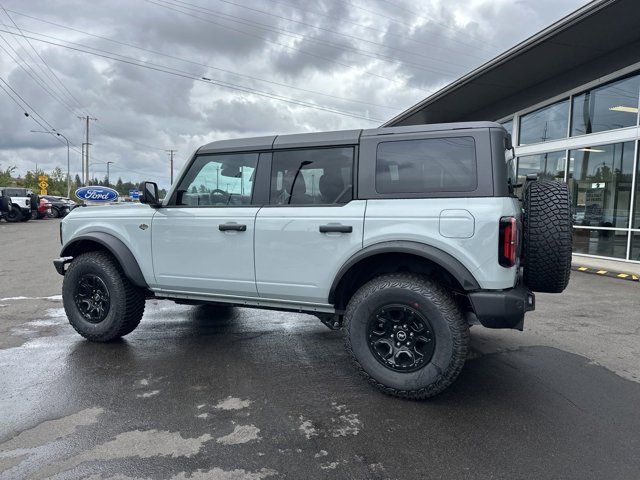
[{"x": 149, "y": 194}]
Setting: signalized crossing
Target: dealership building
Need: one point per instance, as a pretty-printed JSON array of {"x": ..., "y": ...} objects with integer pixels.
[{"x": 570, "y": 96}]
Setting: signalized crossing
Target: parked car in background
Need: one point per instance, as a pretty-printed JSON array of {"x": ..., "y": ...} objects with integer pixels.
[
  {"x": 60, "y": 206},
  {"x": 23, "y": 201},
  {"x": 43, "y": 210}
]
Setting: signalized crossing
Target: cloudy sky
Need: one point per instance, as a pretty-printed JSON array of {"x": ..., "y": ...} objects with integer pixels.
[{"x": 177, "y": 74}]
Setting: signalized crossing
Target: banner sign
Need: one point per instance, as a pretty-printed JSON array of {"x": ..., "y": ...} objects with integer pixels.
[{"x": 97, "y": 194}]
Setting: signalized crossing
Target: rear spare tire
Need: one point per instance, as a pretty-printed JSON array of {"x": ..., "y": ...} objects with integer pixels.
[{"x": 548, "y": 236}]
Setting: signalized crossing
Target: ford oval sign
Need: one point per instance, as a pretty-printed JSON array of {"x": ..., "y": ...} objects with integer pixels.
[{"x": 97, "y": 194}]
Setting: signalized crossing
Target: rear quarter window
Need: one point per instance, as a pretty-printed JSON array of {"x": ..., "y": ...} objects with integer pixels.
[{"x": 427, "y": 166}]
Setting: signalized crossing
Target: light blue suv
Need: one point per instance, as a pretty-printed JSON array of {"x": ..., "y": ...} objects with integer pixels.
[{"x": 401, "y": 237}]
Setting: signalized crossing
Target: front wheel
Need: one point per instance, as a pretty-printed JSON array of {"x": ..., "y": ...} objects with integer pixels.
[
  {"x": 406, "y": 335},
  {"x": 14, "y": 215},
  {"x": 100, "y": 302}
]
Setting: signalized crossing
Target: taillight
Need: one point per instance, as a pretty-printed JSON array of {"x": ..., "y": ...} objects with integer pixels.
[{"x": 508, "y": 246}]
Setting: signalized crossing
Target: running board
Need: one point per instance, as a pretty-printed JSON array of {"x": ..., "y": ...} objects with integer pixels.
[{"x": 257, "y": 302}]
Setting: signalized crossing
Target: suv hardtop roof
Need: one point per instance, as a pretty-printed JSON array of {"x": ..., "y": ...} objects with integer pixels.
[{"x": 338, "y": 137}]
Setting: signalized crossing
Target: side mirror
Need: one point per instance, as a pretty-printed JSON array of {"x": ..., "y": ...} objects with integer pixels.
[{"x": 149, "y": 193}]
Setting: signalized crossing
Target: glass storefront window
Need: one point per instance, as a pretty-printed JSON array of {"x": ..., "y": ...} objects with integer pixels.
[
  {"x": 600, "y": 181},
  {"x": 548, "y": 166},
  {"x": 608, "y": 107},
  {"x": 635, "y": 247},
  {"x": 604, "y": 243},
  {"x": 508, "y": 126},
  {"x": 547, "y": 123}
]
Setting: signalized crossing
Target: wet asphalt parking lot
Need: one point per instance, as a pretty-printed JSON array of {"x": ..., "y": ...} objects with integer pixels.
[{"x": 237, "y": 393}]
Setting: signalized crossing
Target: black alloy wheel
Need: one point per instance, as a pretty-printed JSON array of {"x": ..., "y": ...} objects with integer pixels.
[
  {"x": 92, "y": 298},
  {"x": 400, "y": 338}
]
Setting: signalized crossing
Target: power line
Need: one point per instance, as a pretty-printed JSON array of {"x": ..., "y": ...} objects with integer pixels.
[
  {"x": 31, "y": 72},
  {"x": 369, "y": 27},
  {"x": 50, "y": 127},
  {"x": 156, "y": 52},
  {"x": 304, "y": 52},
  {"x": 334, "y": 32},
  {"x": 297, "y": 36},
  {"x": 52, "y": 74},
  {"x": 191, "y": 76},
  {"x": 19, "y": 104},
  {"x": 411, "y": 26}
]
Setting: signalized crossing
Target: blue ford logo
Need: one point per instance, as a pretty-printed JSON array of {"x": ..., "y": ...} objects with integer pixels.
[{"x": 97, "y": 194}]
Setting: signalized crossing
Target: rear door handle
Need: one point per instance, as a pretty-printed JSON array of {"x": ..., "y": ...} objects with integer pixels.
[
  {"x": 225, "y": 227},
  {"x": 336, "y": 228}
]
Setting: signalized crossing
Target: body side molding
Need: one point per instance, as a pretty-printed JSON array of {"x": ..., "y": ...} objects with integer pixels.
[{"x": 117, "y": 248}]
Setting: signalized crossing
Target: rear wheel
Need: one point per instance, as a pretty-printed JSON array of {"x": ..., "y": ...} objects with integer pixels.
[
  {"x": 100, "y": 302},
  {"x": 406, "y": 335}
]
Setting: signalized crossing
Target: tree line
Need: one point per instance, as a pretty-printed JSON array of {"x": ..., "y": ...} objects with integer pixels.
[{"x": 58, "y": 182}]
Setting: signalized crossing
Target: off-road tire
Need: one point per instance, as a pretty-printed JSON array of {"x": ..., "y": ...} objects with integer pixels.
[
  {"x": 127, "y": 301},
  {"x": 14, "y": 215},
  {"x": 451, "y": 334},
  {"x": 548, "y": 236}
]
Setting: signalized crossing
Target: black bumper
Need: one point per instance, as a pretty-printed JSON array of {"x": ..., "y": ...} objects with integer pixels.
[
  {"x": 503, "y": 309},
  {"x": 59, "y": 263}
]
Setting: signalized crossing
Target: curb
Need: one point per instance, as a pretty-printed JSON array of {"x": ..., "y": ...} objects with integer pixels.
[{"x": 632, "y": 277}]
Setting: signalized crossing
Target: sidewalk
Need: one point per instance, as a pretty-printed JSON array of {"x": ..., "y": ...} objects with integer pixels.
[{"x": 609, "y": 268}]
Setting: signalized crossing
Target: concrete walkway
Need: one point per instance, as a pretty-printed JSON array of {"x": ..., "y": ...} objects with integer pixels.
[{"x": 609, "y": 265}]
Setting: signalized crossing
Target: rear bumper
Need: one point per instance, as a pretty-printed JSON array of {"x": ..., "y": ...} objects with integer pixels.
[{"x": 503, "y": 309}]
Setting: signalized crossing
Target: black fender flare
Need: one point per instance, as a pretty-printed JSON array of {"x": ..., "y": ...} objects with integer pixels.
[
  {"x": 116, "y": 247},
  {"x": 434, "y": 254}
]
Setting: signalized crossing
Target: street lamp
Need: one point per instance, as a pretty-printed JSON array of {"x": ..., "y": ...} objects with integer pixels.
[{"x": 68, "y": 163}]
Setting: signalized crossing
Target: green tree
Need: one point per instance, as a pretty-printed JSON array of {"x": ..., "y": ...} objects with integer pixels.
[{"x": 6, "y": 176}]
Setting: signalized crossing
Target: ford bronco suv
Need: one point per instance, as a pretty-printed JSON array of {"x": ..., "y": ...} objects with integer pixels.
[{"x": 402, "y": 237}]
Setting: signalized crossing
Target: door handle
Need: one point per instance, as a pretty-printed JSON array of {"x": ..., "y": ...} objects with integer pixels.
[
  {"x": 225, "y": 227},
  {"x": 336, "y": 228}
]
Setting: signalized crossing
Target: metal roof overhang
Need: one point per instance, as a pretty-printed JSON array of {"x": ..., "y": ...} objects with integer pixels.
[{"x": 595, "y": 40}]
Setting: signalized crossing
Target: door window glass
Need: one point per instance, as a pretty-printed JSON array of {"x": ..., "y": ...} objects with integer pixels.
[
  {"x": 426, "y": 166},
  {"x": 610, "y": 106},
  {"x": 548, "y": 123},
  {"x": 218, "y": 180},
  {"x": 600, "y": 179},
  {"x": 321, "y": 176}
]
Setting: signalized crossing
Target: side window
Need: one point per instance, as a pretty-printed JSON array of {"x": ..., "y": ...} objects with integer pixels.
[
  {"x": 427, "y": 166},
  {"x": 218, "y": 180},
  {"x": 322, "y": 176}
]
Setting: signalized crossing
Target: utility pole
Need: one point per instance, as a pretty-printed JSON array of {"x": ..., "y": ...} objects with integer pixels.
[
  {"x": 85, "y": 158},
  {"x": 171, "y": 152}
]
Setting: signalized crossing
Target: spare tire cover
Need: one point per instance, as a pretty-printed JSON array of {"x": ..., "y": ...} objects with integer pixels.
[{"x": 548, "y": 236}]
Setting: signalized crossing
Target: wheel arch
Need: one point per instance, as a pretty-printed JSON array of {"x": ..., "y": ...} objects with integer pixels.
[
  {"x": 386, "y": 257},
  {"x": 96, "y": 241}
]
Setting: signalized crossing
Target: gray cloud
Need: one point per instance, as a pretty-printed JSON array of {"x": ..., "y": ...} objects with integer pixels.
[{"x": 142, "y": 112}]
